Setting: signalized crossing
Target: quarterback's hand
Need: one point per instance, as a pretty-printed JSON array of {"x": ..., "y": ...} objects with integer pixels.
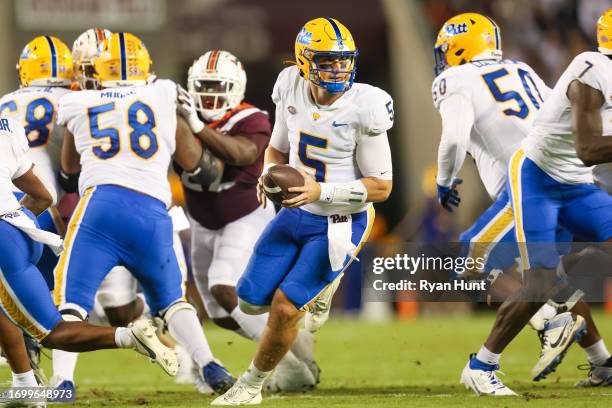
[
  {"x": 186, "y": 108},
  {"x": 310, "y": 192},
  {"x": 449, "y": 196}
]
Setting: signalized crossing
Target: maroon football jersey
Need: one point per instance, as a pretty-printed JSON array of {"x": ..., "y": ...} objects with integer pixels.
[{"x": 234, "y": 194}]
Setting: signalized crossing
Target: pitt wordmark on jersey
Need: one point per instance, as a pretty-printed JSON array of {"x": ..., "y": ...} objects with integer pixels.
[
  {"x": 117, "y": 130},
  {"x": 322, "y": 140},
  {"x": 551, "y": 144},
  {"x": 504, "y": 96},
  {"x": 36, "y": 107}
]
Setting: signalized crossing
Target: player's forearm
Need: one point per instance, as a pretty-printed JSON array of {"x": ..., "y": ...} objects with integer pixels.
[
  {"x": 450, "y": 160},
  {"x": 377, "y": 190},
  {"x": 274, "y": 156},
  {"x": 236, "y": 150},
  {"x": 37, "y": 198}
]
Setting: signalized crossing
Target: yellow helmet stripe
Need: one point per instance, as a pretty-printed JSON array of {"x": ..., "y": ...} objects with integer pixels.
[
  {"x": 123, "y": 59},
  {"x": 336, "y": 30},
  {"x": 496, "y": 30},
  {"x": 53, "y": 56}
]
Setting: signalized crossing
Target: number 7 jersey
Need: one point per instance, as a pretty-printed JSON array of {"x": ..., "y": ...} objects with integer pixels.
[
  {"x": 125, "y": 136},
  {"x": 505, "y": 96},
  {"x": 551, "y": 144}
]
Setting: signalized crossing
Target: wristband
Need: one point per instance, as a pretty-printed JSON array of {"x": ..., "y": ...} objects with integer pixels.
[{"x": 351, "y": 192}]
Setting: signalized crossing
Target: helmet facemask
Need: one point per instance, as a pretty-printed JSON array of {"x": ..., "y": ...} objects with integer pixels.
[
  {"x": 339, "y": 80},
  {"x": 213, "y": 98},
  {"x": 84, "y": 75}
]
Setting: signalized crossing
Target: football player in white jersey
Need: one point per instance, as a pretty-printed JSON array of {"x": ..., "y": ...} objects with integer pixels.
[
  {"x": 25, "y": 298},
  {"x": 121, "y": 139},
  {"x": 45, "y": 69},
  {"x": 489, "y": 124},
  {"x": 226, "y": 217},
  {"x": 117, "y": 295},
  {"x": 550, "y": 183},
  {"x": 334, "y": 132}
]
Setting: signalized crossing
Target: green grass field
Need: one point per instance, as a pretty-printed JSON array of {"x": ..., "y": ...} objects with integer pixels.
[{"x": 394, "y": 364}]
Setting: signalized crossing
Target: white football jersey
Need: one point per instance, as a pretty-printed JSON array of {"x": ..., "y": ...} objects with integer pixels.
[
  {"x": 36, "y": 108},
  {"x": 505, "y": 96},
  {"x": 322, "y": 140},
  {"x": 14, "y": 161},
  {"x": 125, "y": 136},
  {"x": 551, "y": 143}
]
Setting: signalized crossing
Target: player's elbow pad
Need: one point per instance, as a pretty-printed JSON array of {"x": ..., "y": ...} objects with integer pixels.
[
  {"x": 205, "y": 172},
  {"x": 69, "y": 182}
]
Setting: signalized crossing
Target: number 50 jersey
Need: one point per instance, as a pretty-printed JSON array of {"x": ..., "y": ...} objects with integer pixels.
[
  {"x": 505, "y": 97},
  {"x": 125, "y": 136}
]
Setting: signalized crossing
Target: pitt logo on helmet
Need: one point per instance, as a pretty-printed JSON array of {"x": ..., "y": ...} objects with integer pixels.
[
  {"x": 465, "y": 38},
  {"x": 122, "y": 60},
  {"x": 45, "y": 61},
  {"x": 321, "y": 46},
  {"x": 604, "y": 32}
]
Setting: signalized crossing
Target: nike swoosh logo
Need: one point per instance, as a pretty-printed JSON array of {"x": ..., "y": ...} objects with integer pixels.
[
  {"x": 151, "y": 352},
  {"x": 334, "y": 124},
  {"x": 561, "y": 338}
]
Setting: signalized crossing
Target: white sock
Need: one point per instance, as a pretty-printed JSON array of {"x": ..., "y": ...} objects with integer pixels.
[
  {"x": 185, "y": 327},
  {"x": 487, "y": 356},
  {"x": 123, "y": 338},
  {"x": 64, "y": 364},
  {"x": 252, "y": 325},
  {"x": 548, "y": 311},
  {"x": 597, "y": 353},
  {"x": 254, "y": 377},
  {"x": 303, "y": 346},
  {"x": 26, "y": 379}
]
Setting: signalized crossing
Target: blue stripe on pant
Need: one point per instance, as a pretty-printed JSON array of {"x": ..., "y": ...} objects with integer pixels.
[
  {"x": 24, "y": 295},
  {"x": 118, "y": 226},
  {"x": 292, "y": 255}
]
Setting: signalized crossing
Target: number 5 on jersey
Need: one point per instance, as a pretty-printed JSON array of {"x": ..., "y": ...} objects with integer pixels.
[{"x": 141, "y": 119}]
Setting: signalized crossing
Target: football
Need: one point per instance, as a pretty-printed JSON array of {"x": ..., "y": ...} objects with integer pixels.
[{"x": 277, "y": 181}]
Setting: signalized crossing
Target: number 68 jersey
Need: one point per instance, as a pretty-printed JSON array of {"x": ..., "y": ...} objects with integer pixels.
[
  {"x": 505, "y": 97},
  {"x": 125, "y": 136},
  {"x": 35, "y": 108}
]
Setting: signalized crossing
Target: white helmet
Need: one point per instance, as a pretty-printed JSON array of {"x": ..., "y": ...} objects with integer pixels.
[
  {"x": 217, "y": 82},
  {"x": 84, "y": 49}
]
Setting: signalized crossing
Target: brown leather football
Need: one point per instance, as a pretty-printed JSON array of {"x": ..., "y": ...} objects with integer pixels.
[{"x": 277, "y": 181}]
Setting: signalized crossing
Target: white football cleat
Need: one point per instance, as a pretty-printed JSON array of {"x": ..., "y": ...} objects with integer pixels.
[
  {"x": 241, "y": 393},
  {"x": 291, "y": 375},
  {"x": 483, "y": 380},
  {"x": 559, "y": 334},
  {"x": 318, "y": 312},
  {"x": 147, "y": 343}
]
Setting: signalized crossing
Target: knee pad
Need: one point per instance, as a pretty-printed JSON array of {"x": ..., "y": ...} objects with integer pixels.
[
  {"x": 251, "y": 309},
  {"x": 73, "y": 313},
  {"x": 168, "y": 312}
]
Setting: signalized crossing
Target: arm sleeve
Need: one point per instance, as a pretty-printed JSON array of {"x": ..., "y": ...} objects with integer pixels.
[
  {"x": 280, "y": 133},
  {"x": 374, "y": 157},
  {"x": 457, "y": 121}
]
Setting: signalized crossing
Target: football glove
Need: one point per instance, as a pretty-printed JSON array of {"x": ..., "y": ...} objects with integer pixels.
[
  {"x": 186, "y": 108},
  {"x": 448, "y": 197}
]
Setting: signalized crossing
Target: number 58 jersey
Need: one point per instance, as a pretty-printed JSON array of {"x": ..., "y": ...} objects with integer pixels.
[
  {"x": 125, "y": 136},
  {"x": 505, "y": 96}
]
